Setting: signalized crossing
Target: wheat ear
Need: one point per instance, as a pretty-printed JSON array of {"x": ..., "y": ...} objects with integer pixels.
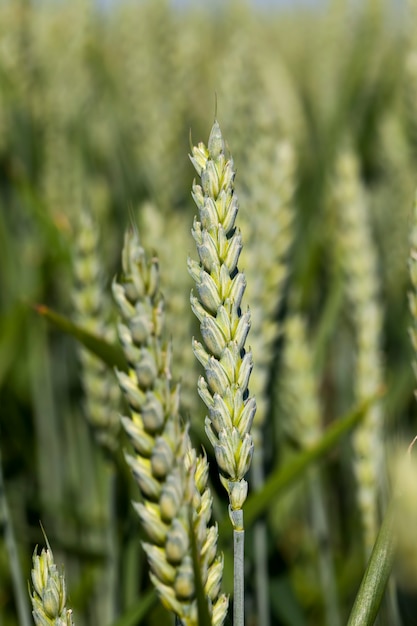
[
  {"x": 102, "y": 395},
  {"x": 224, "y": 328},
  {"x": 360, "y": 264},
  {"x": 49, "y": 594},
  {"x": 171, "y": 477}
]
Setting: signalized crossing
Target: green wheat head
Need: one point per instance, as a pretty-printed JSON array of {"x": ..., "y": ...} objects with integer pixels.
[
  {"x": 49, "y": 594},
  {"x": 224, "y": 327},
  {"x": 172, "y": 478}
]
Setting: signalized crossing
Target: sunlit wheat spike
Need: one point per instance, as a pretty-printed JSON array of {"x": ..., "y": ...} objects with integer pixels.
[
  {"x": 49, "y": 594},
  {"x": 171, "y": 477},
  {"x": 224, "y": 326}
]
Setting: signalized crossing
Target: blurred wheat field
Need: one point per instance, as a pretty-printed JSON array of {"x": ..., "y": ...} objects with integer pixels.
[{"x": 319, "y": 107}]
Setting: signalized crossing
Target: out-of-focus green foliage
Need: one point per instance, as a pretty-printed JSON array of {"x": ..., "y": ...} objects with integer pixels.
[{"x": 96, "y": 107}]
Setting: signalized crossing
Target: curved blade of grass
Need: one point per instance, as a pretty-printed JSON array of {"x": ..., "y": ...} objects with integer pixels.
[
  {"x": 135, "y": 614},
  {"x": 110, "y": 354},
  {"x": 375, "y": 579},
  {"x": 283, "y": 477}
]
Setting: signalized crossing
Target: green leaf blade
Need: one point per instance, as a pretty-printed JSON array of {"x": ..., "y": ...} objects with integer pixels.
[
  {"x": 110, "y": 354},
  {"x": 375, "y": 579}
]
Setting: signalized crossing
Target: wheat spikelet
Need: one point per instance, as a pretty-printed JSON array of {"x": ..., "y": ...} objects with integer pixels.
[
  {"x": 172, "y": 479},
  {"x": 224, "y": 328},
  {"x": 49, "y": 594}
]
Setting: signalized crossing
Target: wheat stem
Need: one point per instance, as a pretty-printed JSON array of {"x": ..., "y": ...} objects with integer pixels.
[
  {"x": 238, "y": 578},
  {"x": 325, "y": 558}
]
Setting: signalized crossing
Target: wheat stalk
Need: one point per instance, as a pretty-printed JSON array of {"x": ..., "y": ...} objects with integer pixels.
[
  {"x": 171, "y": 477},
  {"x": 224, "y": 328}
]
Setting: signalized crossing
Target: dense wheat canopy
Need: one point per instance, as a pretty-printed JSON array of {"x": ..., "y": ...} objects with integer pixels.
[{"x": 101, "y": 104}]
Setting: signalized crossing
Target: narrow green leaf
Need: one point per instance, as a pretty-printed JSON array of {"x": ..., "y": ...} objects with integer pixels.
[
  {"x": 135, "y": 614},
  {"x": 283, "y": 477},
  {"x": 109, "y": 353},
  {"x": 371, "y": 591},
  {"x": 10, "y": 332},
  {"x": 11, "y": 546},
  {"x": 203, "y": 612}
]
